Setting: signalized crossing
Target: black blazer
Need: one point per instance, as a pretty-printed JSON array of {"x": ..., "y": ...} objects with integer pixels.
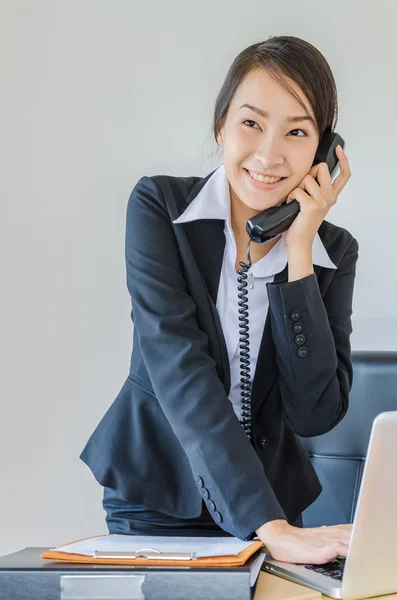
[{"x": 171, "y": 437}]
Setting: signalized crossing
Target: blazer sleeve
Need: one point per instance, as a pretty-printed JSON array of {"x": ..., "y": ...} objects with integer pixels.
[
  {"x": 315, "y": 383},
  {"x": 183, "y": 374}
]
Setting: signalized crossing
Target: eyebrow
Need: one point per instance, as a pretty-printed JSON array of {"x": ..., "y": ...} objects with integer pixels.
[{"x": 265, "y": 114}]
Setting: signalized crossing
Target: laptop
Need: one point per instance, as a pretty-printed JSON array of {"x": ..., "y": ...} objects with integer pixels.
[{"x": 370, "y": 567}]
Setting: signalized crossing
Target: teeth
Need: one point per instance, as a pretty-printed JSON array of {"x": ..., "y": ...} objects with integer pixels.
[{"x": 264, "y": 179}]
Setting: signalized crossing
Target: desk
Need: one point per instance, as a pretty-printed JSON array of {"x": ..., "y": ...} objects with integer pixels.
[
  {"x": 273, "y": 587},
  {"x": 26, "y": 574}
]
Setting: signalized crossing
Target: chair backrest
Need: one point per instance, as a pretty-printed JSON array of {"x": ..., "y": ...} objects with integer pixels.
[{"x": 339, "y": 455}]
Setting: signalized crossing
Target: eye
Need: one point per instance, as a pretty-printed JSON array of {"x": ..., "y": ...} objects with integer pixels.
[
  {"x": 255, "y": 123},
  {"x": 298, "y": 130},
  {"x": 249, "y": 121}
]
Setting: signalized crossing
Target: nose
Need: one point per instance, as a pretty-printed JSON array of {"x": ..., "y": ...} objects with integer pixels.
[{"x": 269, "y": 152}]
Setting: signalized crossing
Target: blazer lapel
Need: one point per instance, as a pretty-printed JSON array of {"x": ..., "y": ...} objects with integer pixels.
[{"x": 207, "y": 242}]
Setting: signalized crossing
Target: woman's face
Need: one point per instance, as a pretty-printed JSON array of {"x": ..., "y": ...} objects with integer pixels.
[{"x": 266, "y": 145}]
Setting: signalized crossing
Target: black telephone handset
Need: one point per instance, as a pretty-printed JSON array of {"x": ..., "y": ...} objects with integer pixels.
[
  {"x": 262, "y": 228},
  {"x": 275, "y": 220}
]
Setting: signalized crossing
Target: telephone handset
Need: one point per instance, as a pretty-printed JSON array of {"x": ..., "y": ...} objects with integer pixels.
[
  {"x": 275, "y": 220},
  {"x": 262, "y": 228}
]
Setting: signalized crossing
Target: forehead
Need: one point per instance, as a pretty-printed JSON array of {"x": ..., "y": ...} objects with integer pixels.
[{"x": 260, "y": 89}]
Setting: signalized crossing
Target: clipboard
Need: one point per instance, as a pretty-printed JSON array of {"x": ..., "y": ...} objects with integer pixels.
[
  {"x": 148, "y": 553},
  {"x": 152, "y": 556}
]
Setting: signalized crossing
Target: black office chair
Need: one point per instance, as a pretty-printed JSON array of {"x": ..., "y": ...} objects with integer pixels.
[{"x": 339, "y": 455}]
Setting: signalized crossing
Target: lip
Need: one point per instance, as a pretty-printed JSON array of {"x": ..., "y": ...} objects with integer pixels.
[{"x": 260, "y": 184}]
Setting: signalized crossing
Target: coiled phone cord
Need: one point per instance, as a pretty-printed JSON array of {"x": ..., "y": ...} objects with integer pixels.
[{"x": 244, "y": 345}]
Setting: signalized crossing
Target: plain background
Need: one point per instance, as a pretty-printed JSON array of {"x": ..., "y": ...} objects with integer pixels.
[{"x": 94, "y": 95}]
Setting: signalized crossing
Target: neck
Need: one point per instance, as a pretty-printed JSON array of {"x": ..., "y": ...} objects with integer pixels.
[{"x": 240, "y": 213}]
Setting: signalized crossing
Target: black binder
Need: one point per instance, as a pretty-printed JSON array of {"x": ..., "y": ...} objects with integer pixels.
[{"x": 26, "y": 576}]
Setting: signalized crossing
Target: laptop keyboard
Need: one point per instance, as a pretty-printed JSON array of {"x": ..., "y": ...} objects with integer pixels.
[{"x": 332, "y": 569}]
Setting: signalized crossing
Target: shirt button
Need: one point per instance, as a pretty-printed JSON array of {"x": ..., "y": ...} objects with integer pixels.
[
  {"x": 263, "y": 441},
  {"x": 218, "y": 517},
  {"x": 303, "y": 351},
  {"x": 295, "y": 315},
  {"x": 205, "y": 493},
  {"x": 200, "y": 482},
  {"x": 300, "y": 339},
  {"x": 212, "y": 505},
  {"x": 297, "y": 327}
]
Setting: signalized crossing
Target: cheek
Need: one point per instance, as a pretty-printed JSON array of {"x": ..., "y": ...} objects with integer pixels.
[
  {"x": 237, "y": 144},
  {"x": 300, "y": 169}
]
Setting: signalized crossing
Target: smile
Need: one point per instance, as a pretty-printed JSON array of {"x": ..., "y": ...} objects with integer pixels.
[
  {"x": 264, "y": 178},
  {"x": 261, "y": 182}
]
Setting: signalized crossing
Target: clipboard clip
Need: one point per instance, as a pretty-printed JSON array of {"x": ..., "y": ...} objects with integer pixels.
[{"x": 149, "y": 553}]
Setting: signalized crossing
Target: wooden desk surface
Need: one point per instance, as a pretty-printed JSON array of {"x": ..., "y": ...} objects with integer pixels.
[{"x": 273, "y": 587}]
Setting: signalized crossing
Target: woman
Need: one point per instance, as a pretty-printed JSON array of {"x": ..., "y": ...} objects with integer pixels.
[{"x": 175, "y": 452}]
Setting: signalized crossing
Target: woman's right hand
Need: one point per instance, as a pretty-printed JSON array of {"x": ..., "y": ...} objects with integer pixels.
[{"x": 308, "y": 545}]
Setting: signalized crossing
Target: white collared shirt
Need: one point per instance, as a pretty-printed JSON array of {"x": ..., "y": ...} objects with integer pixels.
[{"x": 213, "y": 202}]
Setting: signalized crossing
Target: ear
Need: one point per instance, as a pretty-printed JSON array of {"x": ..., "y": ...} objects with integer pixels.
[{"x": 219, "y": 137}]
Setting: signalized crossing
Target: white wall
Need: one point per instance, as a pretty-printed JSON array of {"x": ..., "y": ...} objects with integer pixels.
[{"x": 95, "y": 94}]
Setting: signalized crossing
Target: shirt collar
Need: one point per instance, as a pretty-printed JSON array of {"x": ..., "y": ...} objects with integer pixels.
[{"x": 213, "y": 202}]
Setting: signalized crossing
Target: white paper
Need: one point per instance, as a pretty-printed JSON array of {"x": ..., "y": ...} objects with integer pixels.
[
  {"x": 256, "y": 567},
  {"x": 202, "y": 546}
]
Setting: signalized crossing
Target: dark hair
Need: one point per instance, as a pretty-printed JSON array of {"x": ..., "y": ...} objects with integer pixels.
[{"x": 284, "y": 56}]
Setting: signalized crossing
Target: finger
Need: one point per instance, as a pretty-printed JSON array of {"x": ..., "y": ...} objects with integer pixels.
[
  {"x": 339, "y": 549},
  {"x": 306, "y": 202},
  {"x": 325, "y": 182},
  {"x": 335, "y": 538},
  {"x": 314, "y": 170},
  {"x": 336, "y": 532},
  {"x": 341, "y": 526},
  {"x": 325, "y": 537},
  {"x": 345, "y": 173},
  {"x": 342, "y": 549},
  {"x": 317, "y": 193},
  {"x": 329, "y": 553}
]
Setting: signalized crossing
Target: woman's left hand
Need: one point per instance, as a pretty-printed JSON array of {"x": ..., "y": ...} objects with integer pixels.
[{"x": 315, "y": 200}]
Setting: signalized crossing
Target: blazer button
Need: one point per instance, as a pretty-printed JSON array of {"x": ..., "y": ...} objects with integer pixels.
[
  {"x": 200, "y": 482},
  {"x": 218, "y": 517},
  {"x": 300, "y": 339},
  {"x": 263, "y": 441},
  {"x": 212, "y": 505},
  {"x": 205, "y": 493},
  {"x": 295, "y": 315},
  {"x": 297, "y": 327},
  {"x": 303, "y": 351}
]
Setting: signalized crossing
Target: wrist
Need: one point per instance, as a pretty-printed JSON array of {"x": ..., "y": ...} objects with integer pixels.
[
  {"x": 300, "y": 262},
  {"x": 272, "y": 529},
  {"x": 299, "y": 249}
]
